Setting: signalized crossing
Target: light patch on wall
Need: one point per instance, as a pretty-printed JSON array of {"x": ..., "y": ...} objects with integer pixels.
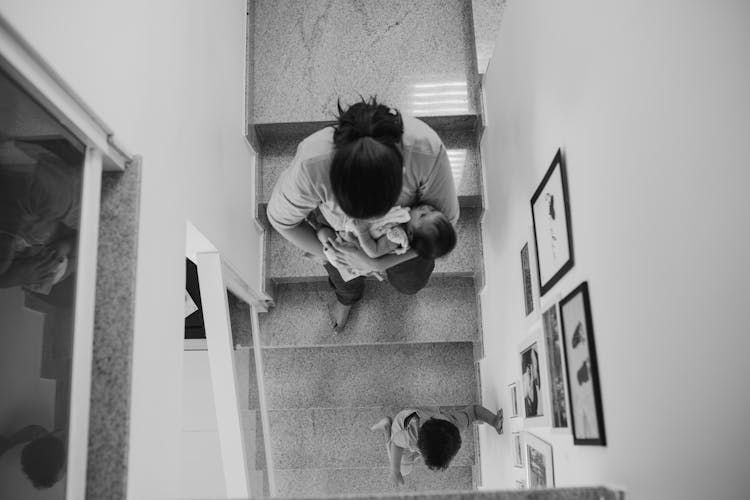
[
  {"x": 457, "y": 159},
  {"x": 433, "y": 98}
]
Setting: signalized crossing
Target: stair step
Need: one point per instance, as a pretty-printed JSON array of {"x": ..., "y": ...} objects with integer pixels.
[
  {"x": 286, "y": 264},
  {"x": 323, "y": 483},
  {"x": 376, "y": 375},
  {"x": 340, "y": 49},
  {"x": 446, "y": 310},
  {"x": 279, "y": 149},
  {"x": 339, "y": 437}
]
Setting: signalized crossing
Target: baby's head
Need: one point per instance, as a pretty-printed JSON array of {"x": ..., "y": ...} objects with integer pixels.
[
  {"x": 438, "y": 442},
  {"x": 430, "y": 232}
]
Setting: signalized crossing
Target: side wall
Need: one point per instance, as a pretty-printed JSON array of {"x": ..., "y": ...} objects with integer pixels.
[
  {"x": 168, "y": 78},
  {"x": 650, "y": 102}
]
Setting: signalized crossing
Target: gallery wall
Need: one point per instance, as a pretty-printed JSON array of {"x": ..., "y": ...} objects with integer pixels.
[
  {"x": 650, "y": 103},
  {"x": 168, "y": 78}
]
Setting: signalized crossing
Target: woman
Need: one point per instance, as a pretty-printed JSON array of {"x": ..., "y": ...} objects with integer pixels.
[{"x": 370, "y": 161}]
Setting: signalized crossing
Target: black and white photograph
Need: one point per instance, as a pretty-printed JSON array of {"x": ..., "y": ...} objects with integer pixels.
[
  {"x": 513, "y": 399},
  {"x": 526, "y": 276},
  {"x": 540, "y": 471},
  {"x": 517, "y": 450},
  {"x": 583, "y": 375},
  {"x": 532, "y": 381},
  {"x": 550, "y": 211},
  {"x": 553, "y": 345}
]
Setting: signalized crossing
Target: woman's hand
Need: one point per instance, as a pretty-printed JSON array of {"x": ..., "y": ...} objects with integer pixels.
[{"x": 351, "y": 255}]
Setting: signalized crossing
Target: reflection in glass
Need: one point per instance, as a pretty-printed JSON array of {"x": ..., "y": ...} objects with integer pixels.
[{"x": 40, "y": 193}]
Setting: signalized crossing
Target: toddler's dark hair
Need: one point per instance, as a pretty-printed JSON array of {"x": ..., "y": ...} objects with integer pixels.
[
  {"x": 42, "y": 459},
  {"x": 367, "y": 166},
  {"x": 435, "y": 239},
  {"x": 438, "y": 442}
]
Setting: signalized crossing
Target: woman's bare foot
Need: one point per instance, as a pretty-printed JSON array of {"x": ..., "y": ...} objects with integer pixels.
[
  {"x": 498, "y": 423},
  {"x": 384, "y": 424},
  {"x": 338, "y": 313}
]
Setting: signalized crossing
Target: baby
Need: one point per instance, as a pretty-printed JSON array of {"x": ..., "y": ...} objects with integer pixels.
[
  {"x": 422, "y": 228},
  {"x": 431, "y": 434}
]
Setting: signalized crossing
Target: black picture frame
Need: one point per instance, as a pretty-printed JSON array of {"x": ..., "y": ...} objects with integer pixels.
[
  {"x": 548, "y": 229},
  {"x": 528, "y": 294},
  {"x": 584, "y": 398}
]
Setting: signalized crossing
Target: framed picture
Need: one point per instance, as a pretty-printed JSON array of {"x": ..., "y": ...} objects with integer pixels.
[
  {"x": 553, "y": 347},
  {"x": 517, "y": 450},
  {"x": 583, "y": 374},
  {"x": 513, "y": 396},
  {"x": 528, "y": 295},
  {"x": 540, "y": 471},
  {"x": 533, "y": 379},
  {"x": 550, "y": 212}
]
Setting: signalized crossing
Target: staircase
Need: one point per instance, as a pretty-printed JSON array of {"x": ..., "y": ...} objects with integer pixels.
[{"x": 324, "y": 390}]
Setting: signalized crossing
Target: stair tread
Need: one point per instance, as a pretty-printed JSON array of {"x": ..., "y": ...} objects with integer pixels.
[
  {"x": 286, "y": 264},
  {"x": 318, "y": 46},
  {"x": 323, "y": 483},
  {"x": 356, "y": 376},
  {"x": 446, "y": 310},
  {"x": 339, "y": 437}
]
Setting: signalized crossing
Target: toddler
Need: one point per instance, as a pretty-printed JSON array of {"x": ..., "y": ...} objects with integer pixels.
[
  {"x": 431, "y": 434},
  {"x": 423, "y": 228}
]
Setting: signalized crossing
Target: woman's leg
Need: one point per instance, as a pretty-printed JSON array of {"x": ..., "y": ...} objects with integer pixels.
[{"x": 411, "y": 276}]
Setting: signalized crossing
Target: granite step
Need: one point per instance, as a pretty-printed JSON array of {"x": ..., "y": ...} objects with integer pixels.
[
  {"x": 286, "y": 264},
  {"x": 370, "y": 375},
  {"x": 323, "y": 483},
  {"x": 278, "y": 150},
  {"x": 446, "y": 310},
  {"x": 339, "y": 437},
  {"x": 309, "y": 54}
]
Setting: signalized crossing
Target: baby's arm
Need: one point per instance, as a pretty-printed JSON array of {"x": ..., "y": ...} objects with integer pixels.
[
  {"x": 396, "y": 453},
  {"x": 373, "y": 248}
]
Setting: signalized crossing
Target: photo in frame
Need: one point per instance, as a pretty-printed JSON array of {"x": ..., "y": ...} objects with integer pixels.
[
  {"x": 517, "y": 450},
  {"x": 528, "y": 295},
  {"x": 556, "y": 369},
  {"x": 540, "y": 470},
  {"x": 533, "y": 392},
  {"x": 584, "y": 394},
  {"x": 550, "y": 212},
  {"x": 513, "y": 396}
]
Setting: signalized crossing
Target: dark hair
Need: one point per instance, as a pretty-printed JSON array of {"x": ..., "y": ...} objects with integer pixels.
[
  {"x": 367, "y": 167},
  {"x": 438, "y": 442},
  {"x": 42, "y": 459},
  {"x": 434, "y": 239}
]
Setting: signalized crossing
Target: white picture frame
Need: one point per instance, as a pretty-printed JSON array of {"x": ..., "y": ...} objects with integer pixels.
[
  {"x": 533, "y": 386},
  {"x": 540, "y": 466}
]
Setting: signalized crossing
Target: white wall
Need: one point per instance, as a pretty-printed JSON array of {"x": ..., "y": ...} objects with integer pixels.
[
  {"x": 650, "y": 101},
  {"x": 168, "y": 78}
]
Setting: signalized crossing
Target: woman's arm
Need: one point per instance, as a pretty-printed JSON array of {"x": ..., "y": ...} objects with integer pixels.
[{"x": 354, "y": 257}]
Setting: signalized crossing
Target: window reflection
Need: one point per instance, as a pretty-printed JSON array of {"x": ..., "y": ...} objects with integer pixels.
[{"x": 40, "y": 193}]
